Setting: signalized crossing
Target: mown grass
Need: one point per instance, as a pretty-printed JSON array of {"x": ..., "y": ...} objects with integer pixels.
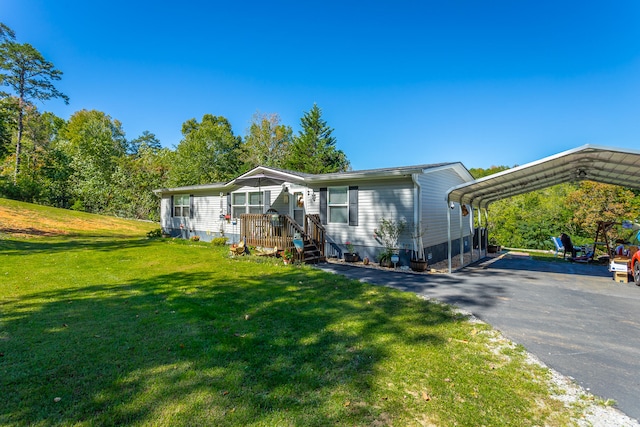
[
  {"x": 26, "y": 220},
  {"x": 131, "y": 331}
]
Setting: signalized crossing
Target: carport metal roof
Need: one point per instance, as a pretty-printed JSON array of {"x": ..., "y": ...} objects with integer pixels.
[{"x": 590, "y": 162}]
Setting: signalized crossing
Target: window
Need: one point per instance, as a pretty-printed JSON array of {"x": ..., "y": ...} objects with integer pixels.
[
  {"x": 255, "y": 202},
  {"x": 238, "y": 204},
  {"x": 182, "y": 205},
  {"x": 338, "y": 205},
  {"x": 246, "y": 202}
]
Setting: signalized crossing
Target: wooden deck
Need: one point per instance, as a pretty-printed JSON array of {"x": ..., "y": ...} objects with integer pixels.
[{"x": 278, "y": 231}]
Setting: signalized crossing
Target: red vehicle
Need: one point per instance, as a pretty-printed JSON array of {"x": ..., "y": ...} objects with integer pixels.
[{"x": 635, "y": 260}]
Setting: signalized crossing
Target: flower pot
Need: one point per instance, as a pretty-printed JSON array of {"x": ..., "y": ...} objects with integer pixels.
[
  {"x": 386, "y": 262},
  {"x": 351, "y": 257},
  {"x": 418, "y": 264}
]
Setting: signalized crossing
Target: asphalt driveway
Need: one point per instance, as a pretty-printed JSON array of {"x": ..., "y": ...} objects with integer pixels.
[{"x": 573, "y": 317}]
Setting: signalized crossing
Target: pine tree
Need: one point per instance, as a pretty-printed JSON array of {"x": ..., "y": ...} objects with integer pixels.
[
  {"x": 314, "y": 148},
  {"x": 30, "y": 76}
]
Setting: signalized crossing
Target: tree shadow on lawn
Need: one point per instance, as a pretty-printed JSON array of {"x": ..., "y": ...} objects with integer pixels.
[
  {"x": 189, "y": 348},
  {"x": 69, "y": 244}
]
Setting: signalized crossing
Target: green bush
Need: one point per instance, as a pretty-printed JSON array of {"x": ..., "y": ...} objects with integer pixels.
[
  {"x": 219, "y": 241},
  {"x": 154, "y": 233}
]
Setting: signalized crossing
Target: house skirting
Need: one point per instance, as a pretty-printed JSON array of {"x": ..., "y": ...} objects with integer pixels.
[
  {"x": 433, "y": 254},
  {"x": 204, "y": 235}
]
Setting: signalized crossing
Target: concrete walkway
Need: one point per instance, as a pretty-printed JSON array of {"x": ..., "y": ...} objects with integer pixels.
[{"x": 573, "y": 317}]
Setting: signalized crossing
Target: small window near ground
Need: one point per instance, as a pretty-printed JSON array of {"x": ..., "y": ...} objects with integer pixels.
[
  {"x": 338, "y": 205},
  {"x": 181, "y": 205}
]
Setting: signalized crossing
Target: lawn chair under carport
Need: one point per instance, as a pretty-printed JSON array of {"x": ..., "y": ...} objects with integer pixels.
[{"x": 558, "y": 244}]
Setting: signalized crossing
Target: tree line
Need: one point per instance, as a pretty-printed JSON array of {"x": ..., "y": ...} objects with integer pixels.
[
  {"x": 529, "y": 220},
  {"x": 87, "y": 163}
]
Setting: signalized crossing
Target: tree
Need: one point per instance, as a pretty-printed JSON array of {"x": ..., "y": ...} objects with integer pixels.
[
  {"x": 209, "y": 152},
  {"x": 594, "y": 201},
  {"x": 135, "y": 179},
  {"x": 144, "y": 169},
  {"x": 478, "y": 173},
  {"x": 267, "y": 142},
  {"x": 8, "y": 117},
  {"x": 95, "y": 143},
  {"x": 39, "y": 159},
  {"x": 314, "y": 148},
  {"x": 146, "y": 141},
  {"x": 6, "y": 33},
  {"x": 529, "y": 220},
  {"x": 29, "y": 76}
]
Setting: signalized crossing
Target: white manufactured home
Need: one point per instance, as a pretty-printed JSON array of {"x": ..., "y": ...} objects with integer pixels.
[{"x": 268, "y": 207}]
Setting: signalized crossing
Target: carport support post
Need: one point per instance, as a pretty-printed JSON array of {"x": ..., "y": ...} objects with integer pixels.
[
  {"x": 479, "y": 235},
  {"x": 449, "y": 234},
  {"x": 461, "y": 237},
  {"x": 472, "y": 228}
]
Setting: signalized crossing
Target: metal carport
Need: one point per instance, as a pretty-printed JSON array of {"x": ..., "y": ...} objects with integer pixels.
[{"x": 608, "y": 165}]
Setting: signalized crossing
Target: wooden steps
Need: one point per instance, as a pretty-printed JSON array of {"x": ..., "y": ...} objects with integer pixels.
[{"x": 311, "y": 253}]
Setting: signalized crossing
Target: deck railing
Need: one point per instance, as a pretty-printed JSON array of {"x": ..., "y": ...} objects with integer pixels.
[
  {"x": 315, "y": 231},
  {"x": 278, "y": 231}
]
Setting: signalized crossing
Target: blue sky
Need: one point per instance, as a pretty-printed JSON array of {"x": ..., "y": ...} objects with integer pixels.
[{"x": 400, "y": 82}]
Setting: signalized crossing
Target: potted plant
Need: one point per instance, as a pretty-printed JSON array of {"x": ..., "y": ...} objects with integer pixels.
[
  {"x": 493, "y": 246},
  {"x": 389, "y": 234},
  {"x": 287, "y": 256},
  {"x": 384, "y": 259},
  {"x": 417, "y": 262},
  {"x": 350, "y": 255}
]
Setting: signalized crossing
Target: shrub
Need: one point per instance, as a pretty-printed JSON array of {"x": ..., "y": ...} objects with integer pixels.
[
  {"x": 389, "y": 233},
  {"x": 219, "y": 241},
  {"x": 195, "y": 238},
  {"x": 154, "y": 233}
]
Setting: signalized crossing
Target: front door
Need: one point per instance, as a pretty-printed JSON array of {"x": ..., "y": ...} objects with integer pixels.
[{"x": 297, "y": 208}]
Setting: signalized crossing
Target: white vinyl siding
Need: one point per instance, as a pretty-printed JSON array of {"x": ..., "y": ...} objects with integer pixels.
[
  {"x": 376, "y": 200},
  {"x": 434, "y": 187}
]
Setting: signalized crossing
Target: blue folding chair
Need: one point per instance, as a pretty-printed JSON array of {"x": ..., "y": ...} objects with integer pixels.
[{"x": 558, "y": 243}]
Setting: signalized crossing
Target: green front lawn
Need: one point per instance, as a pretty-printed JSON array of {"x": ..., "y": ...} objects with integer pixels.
[{"x": 131, "y": 331}]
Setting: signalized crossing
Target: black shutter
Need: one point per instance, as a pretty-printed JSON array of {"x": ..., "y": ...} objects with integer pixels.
[
  {"x": 229, "y": 204},
  {"x": 323, "y": 206},
  {"x": 353, "y": 205},
  {"x": 171, "y": 206},
  {"x": 190, "y": 205}
]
